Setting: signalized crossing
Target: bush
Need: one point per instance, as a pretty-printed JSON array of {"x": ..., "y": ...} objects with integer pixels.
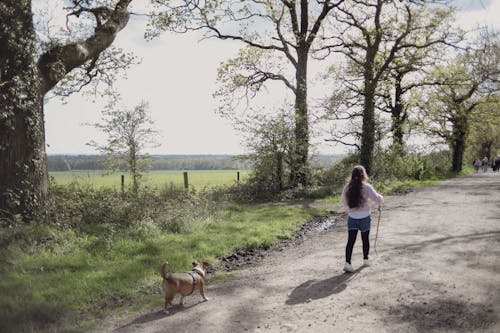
[
  {"x": 390, "y": 164},
  {"x": 245, "y": 192},
  {"x": 105, "y": 210},
  {"x": 438, "y": 164},
  {"x": 338, "y": 174},
  {"x": 84, "y": 207}
]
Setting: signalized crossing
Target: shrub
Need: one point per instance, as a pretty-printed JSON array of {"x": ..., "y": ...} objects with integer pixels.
[
  {"x": 337, "y": 174},
  {"x": 105, "y": 210},
  {"x": 244, "y": 192},
  {"x": 390, "y": 164},
  {"x": 84, "y": 207},
  {"x": 437, "y": 164}
]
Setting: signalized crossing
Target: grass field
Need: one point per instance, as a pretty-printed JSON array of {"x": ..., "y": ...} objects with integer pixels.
[{"x": 196, "y": 178}]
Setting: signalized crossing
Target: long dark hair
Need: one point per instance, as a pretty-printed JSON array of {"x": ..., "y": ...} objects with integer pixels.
[{"x": 358, "y": 176}]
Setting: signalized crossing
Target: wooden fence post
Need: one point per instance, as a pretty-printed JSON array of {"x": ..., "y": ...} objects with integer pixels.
[
  {"x": 186, "y": 183},
  {"x": 123, "y": 183},
  {"x": 237, "y": 176}
]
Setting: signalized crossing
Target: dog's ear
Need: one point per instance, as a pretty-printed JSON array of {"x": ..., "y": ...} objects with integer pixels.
[{"x": 194, "y": 263}]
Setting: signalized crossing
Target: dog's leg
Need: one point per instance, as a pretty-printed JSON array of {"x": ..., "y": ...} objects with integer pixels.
[
  {"x": 181, "y": 302},
  {"x": 202, "y": 290},
  {"x": 168, "y": 301}
]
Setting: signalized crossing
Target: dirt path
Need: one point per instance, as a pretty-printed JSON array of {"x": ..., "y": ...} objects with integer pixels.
[{"x": 437, "y": 270}]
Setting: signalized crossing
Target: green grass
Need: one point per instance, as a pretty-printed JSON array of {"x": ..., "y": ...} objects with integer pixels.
[
  {"x": 196, "y": 178},
  {"x": 73, "y": 277}
]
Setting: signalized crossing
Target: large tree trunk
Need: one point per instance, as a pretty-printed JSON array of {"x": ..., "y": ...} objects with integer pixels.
[
  {"x": 23, "y": 168},
  {"x": 301, "y": 155},
  {"x": 458, "y": 141},
  {"x": 458, "y": 148},
  {"x": 368, "y": 135},
  {"x": 24, "y": 185},
  {"x": 279, "y": 170},
  {"x": 398, "y": 116},
  {"x": 368, "y": 126}
]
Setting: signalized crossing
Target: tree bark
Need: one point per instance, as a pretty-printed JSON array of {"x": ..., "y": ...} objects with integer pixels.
[
  {"x": 458, "y": 148},
  {"x": 398, "y": 116},
  {"x": 24, "y": 183},
  {"x": 458, "y": 140},
  {"x": 23, "y": 168},
  {"x": 279, "y": 170},
  {"x": 368, "y": 128},
  {"x": 300, "y": 166}
]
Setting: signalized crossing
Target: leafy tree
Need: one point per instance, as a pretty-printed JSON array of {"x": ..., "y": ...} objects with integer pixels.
[
  {"x": 408, "y": 70},
  {"x": 484, "y": 137},
  {"x": 26, "y": 76},
  {"x": 284, "y": 28},
  {"x": 129, "y": 132},
  {"x": 466, "y": 82},
  {"x": 270, "y": 142},
  {"x": 373, "y": 35}
]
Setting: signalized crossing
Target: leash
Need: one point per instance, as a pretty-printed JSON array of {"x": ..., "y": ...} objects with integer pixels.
[{"x": 378, "y": 224}]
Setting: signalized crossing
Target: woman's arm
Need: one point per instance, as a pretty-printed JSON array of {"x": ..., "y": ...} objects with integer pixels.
[
  {"x": 374, "y": 195},
  {"x": 344, "y": 196}
]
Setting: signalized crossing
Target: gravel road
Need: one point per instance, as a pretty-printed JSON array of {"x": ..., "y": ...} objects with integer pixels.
[{"x": 436, "y": 270}]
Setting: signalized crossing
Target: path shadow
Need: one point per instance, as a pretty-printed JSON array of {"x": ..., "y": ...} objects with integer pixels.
[
  {"x": 316, "y": 289},
  {"x": 445, "y": 315},
  {"x": 156, "y": 315}
]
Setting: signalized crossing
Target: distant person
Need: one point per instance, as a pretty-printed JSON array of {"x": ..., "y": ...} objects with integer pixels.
[
  {"x": 357, "y": 197},
  {"x": 485, "y": 164},
  {"x": 477, "y": 164},
  {"x": 496, "y": 167}
]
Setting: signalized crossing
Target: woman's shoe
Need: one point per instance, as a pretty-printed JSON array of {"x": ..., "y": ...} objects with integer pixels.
[{"x": 348, "y": 267}]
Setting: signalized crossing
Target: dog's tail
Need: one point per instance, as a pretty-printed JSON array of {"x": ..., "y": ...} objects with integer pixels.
[{"x": 162, "y": 270}]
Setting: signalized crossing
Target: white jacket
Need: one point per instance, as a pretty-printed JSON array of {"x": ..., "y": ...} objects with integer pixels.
[{"x": 369, "y": 195}]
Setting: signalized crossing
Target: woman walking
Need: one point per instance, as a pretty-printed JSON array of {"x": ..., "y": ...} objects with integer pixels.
[
  {"x": 485, "y": 164},
  {"x": 357, "y": 197},
  {"x": 477, "y": 164}
]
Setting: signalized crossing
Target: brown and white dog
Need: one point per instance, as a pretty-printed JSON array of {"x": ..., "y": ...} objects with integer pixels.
[{"x": 183, "y": 283}]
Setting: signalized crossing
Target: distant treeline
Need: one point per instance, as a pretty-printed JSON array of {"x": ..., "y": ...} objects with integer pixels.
[{"x": 171, "y": 162}]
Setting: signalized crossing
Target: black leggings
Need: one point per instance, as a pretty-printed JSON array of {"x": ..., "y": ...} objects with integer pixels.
[{"x": 352, "y": 239}]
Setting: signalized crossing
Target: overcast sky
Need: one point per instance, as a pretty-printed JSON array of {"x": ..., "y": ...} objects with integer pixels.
[{"x": 177, "y": 77}]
